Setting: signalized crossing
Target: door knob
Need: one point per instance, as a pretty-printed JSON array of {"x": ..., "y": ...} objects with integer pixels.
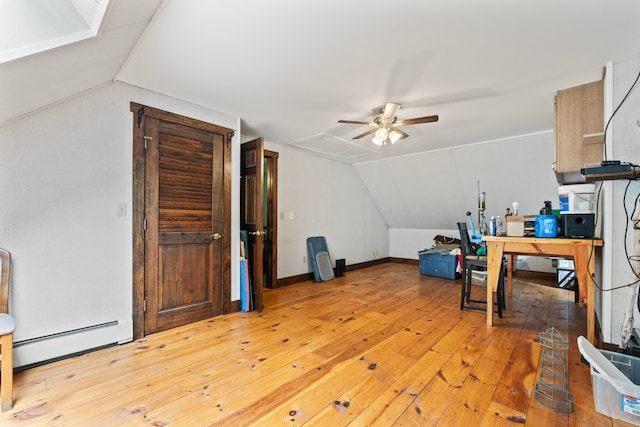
[
  {"x": 216, "y": 236},
  {"x": 256, "y": 233}
]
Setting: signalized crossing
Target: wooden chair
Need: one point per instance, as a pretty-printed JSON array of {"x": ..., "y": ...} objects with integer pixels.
[
  {"x": 7, "y": 326},
  {"x": 471, "y": 262}
]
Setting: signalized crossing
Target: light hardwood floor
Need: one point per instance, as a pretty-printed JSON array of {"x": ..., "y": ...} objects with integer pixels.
[{"x": 381, "y": 346}]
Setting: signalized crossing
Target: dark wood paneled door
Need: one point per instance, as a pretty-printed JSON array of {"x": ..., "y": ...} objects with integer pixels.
[
  {"x": 186, "y": 259},
  {"x": 251, "y": 212},
  {"x": 270, "y": 220}
]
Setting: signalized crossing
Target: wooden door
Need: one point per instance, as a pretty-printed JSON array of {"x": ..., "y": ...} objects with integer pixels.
[
  {"x": 251, "y": 211},
  {"x": 270, "y": 219},
  {"x": 186, "y": 219}
]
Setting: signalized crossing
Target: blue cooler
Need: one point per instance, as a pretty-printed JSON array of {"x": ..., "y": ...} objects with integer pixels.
[{"x": 546, "y": 226}]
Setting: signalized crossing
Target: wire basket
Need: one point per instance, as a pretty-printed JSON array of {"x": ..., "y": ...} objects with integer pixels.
[{"x": 552, "y": 389}]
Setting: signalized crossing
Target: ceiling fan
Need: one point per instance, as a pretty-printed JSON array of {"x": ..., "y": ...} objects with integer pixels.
[{"x": 385, "y": 125}]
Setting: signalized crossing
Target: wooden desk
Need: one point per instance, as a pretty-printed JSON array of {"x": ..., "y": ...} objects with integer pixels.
[{"x": 578, "y": 249}]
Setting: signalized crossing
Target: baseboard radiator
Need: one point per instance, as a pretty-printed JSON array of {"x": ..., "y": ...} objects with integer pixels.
[{"x": 33, "y": 351}]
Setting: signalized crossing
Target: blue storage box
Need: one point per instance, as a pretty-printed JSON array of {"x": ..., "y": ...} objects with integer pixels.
[{"x": 438, "y": 263}]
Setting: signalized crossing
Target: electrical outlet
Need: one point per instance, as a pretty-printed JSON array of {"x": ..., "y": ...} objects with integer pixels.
[{"x": 304, "y": 259}]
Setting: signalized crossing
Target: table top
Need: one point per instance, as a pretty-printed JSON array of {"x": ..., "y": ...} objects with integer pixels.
[{"x": 543, "y": 240}]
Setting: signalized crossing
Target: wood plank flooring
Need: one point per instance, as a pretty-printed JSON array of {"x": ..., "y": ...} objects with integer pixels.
[{"x": 381, "y": 346}]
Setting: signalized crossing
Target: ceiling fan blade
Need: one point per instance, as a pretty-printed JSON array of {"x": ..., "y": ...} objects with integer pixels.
[
  {"x": 417, "y": 120},
  {"x": 390, "y": 110},
  {"x": 354, "y": 122},
  {"x": 369, "y": 132}
]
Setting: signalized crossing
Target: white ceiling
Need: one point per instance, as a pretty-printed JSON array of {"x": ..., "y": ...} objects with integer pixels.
[{"x": 291, "y": 69}]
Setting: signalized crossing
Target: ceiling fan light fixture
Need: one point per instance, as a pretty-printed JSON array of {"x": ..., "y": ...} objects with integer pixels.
[
  {"x": 384, "y": 125},
  {"x": 386, "y": 135},
  {"x": 380, "y": 137},
  {"x": 394, "y": 136}
]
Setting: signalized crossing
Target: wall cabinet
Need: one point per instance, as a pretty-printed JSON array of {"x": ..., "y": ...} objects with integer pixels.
[{"x": 579, "y": 125}]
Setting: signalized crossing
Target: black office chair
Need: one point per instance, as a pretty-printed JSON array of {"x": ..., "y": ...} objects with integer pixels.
[{"x": 471, "y": 262}]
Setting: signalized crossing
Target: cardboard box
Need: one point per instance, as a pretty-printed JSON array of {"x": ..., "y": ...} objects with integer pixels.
[
  {"x": 515, "y": 225},
  {"x": 520, "y": 225},
  {"x": 447, "y": 246}
]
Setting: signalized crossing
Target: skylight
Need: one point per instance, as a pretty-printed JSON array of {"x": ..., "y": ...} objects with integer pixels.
[{"x": 32, "y": 26}]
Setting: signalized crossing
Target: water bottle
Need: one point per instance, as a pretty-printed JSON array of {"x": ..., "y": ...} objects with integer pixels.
[
  {"x": 492, "y": 226},
  {"x": 499, "y": 226}
]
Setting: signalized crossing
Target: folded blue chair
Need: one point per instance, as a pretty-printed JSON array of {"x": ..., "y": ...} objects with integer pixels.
[{"x": 319, "y": 258}]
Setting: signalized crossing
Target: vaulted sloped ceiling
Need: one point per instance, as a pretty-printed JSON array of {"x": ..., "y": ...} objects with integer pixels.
[
  {"x": 45, "y": 78},
  {"x": 292, "y": 69}
]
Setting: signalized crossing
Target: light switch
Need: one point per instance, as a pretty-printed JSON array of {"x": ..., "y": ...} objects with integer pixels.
[{"x": 291, "y": 215}]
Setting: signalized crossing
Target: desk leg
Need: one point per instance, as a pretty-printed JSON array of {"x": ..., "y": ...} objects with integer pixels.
[
  {"x": 582, "y": 267},
  {"x": 495, "y": 251}
]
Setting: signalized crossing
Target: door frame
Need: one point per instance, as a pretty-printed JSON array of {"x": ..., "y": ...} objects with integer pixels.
[{"x": 138, "y": 207}]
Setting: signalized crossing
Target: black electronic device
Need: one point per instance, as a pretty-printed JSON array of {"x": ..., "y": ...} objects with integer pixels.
[
  {"x": 577, "y": 225},
  {"x": 609, "y": 170},
  {"x": 340, "y": 267}
]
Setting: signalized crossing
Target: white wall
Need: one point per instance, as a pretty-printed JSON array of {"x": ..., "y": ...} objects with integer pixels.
[
  {"x": 321, "y": 197},
  {"x": 63, "y": 172},
  {"x": 434, "y": 190},
  {"x": 406, "y": 242},
  {"x": 65, "y": 169},
  {"x": 416, "y": 193},
  {"x": 623, "y": 143}
]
